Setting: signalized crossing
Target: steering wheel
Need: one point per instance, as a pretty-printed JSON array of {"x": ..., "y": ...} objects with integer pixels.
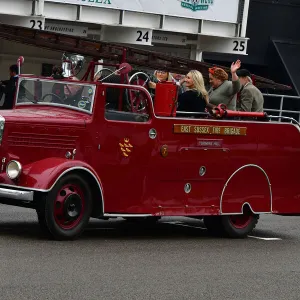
[
  {"x": 139, "y": 78},
  {"x": 138, "y": 98},
  {"x": 52, "y": 94}
]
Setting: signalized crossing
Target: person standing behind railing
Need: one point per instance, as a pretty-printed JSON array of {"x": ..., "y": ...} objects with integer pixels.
[
  {"x": 222, "y": 90},
  {"x": 251, "y": 98},
  {"x": 8, "y": 87}
]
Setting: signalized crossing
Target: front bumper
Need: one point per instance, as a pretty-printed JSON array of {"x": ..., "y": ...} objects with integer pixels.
[{"x": 16, "y": 194}]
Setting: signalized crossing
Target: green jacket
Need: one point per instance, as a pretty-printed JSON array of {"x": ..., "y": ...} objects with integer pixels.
[
  {"x": 252, "y": 99},
  {"x": 225, "y": 93}
]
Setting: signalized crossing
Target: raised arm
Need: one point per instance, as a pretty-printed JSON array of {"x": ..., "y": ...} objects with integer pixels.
[{"x": 235, "y": 85}]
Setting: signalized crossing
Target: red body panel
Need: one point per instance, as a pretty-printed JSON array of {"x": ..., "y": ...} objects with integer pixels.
[
  {"x": 42, "y": 174},
  {"x": 165, "y": 105},
  {"x": 259, "y": 168}
]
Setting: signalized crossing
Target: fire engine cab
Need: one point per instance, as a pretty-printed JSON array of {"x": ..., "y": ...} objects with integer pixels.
[{"x": 102, "y": 149}]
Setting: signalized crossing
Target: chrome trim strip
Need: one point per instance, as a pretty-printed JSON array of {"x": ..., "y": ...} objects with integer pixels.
[
  {"x": 224, "y": 188},
  {"x": 245, "y": 122},
  {"x": 128, "y": 215},
  {"x": 17, "y": 195},
  {"x": 62, "y": 174}
]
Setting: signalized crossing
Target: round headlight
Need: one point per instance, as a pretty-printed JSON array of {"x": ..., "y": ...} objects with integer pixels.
[{"x": 13, "y": 169}]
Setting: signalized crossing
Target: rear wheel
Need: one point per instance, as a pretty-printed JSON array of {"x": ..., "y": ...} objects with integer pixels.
[
  {"x": 65, "y": 211},
  {"x": 239, "y": 226},
  {"x": 234, "y": 226}
]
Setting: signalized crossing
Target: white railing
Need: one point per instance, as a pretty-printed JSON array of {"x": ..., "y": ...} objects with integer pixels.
[{"x": 280, "y": 112}]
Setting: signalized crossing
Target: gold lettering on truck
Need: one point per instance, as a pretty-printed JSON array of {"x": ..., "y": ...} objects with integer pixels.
[{"x": 213, "y": 130}]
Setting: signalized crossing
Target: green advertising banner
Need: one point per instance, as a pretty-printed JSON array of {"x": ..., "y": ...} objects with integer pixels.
[{"x": 215, "y": 10}]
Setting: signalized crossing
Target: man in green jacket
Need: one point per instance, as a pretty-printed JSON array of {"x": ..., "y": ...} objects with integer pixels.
[{"x": 251, "y": 98}]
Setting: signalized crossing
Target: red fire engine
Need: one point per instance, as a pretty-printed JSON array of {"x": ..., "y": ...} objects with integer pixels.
[{"x": 105, "y": 151}]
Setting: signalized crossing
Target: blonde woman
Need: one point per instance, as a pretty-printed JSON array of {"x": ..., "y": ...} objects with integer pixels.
[
  {"x": 159, "y": 76},
  {"x": 195, "y": 98}
]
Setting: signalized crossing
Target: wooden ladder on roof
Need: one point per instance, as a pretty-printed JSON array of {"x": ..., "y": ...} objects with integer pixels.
[{"x": 115, "y": 53}]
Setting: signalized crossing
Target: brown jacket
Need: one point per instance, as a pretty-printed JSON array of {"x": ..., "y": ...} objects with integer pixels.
[{"x": 251, "y": 99}]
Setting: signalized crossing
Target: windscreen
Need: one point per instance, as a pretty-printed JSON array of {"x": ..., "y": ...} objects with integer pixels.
[{"x": 77, "y": 96}]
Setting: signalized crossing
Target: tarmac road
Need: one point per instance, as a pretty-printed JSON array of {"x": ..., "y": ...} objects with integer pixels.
[{"x": 171, "y": 260}]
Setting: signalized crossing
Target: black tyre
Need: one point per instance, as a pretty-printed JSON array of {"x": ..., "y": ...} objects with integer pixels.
[
  {"x": 214, "y": 225},
  {"x": 233, "y": 226},
  {"x": 42, "y": 222},
  {"x": 65, "y": 211},
  {"x": 239, "y": 226}
]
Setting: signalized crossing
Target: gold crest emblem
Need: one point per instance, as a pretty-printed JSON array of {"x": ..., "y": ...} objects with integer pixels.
[
  {"x": 126, "y": 147},
  {"x": 164, "y": 151}
]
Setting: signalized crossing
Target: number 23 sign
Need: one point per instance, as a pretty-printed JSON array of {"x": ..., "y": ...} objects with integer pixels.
[{"x": 37, "y": 24}]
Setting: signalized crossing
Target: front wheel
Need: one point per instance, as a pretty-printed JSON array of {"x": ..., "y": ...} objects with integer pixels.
[{"x": 65, "y": 211}]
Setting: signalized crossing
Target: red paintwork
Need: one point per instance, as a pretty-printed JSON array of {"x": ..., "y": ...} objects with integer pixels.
[
  {"x": 167, "y": 107},
  {"x": 222, "y": 112},
  {"x": 145, "y": 182},
  {"x": 259, "y": 198}
]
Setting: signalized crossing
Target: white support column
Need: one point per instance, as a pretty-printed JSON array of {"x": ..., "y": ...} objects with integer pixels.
[
  {"x": 245, "y": 18},
  {"x": 193, "y": 52},
  {"x": 196, "y": 51},
  {"x": 198, "y": 55},
  {"x": 99, "y": 67},
  {"x": 39, "y": 7}
]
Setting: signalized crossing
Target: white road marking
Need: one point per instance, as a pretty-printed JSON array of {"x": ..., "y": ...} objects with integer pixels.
[
  {"x": 184, "y": 225},
  {"x": 198, "y": 227},
  {"x": 265, "y": 239}
]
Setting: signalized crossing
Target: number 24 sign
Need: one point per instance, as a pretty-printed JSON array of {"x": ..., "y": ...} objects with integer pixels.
[{"x": 142, "y": 36}]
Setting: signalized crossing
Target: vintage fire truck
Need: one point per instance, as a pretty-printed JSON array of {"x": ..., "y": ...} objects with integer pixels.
[{"x": 73, "y": 150}]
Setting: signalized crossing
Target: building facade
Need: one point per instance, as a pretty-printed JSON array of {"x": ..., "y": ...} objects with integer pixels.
[
  {"x": 184, "y": 28},
  {"x": 273, "y": 29}
]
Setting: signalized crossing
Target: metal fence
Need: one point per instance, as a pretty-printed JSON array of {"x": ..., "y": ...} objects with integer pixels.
[{"x": 275, "y": 105}]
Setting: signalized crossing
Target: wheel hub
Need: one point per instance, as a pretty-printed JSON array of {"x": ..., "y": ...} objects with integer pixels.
[
  {"x": 72, "y": 207},
  {"x": 241, "y": 221},
  {"x": 69, "y": 206}
]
